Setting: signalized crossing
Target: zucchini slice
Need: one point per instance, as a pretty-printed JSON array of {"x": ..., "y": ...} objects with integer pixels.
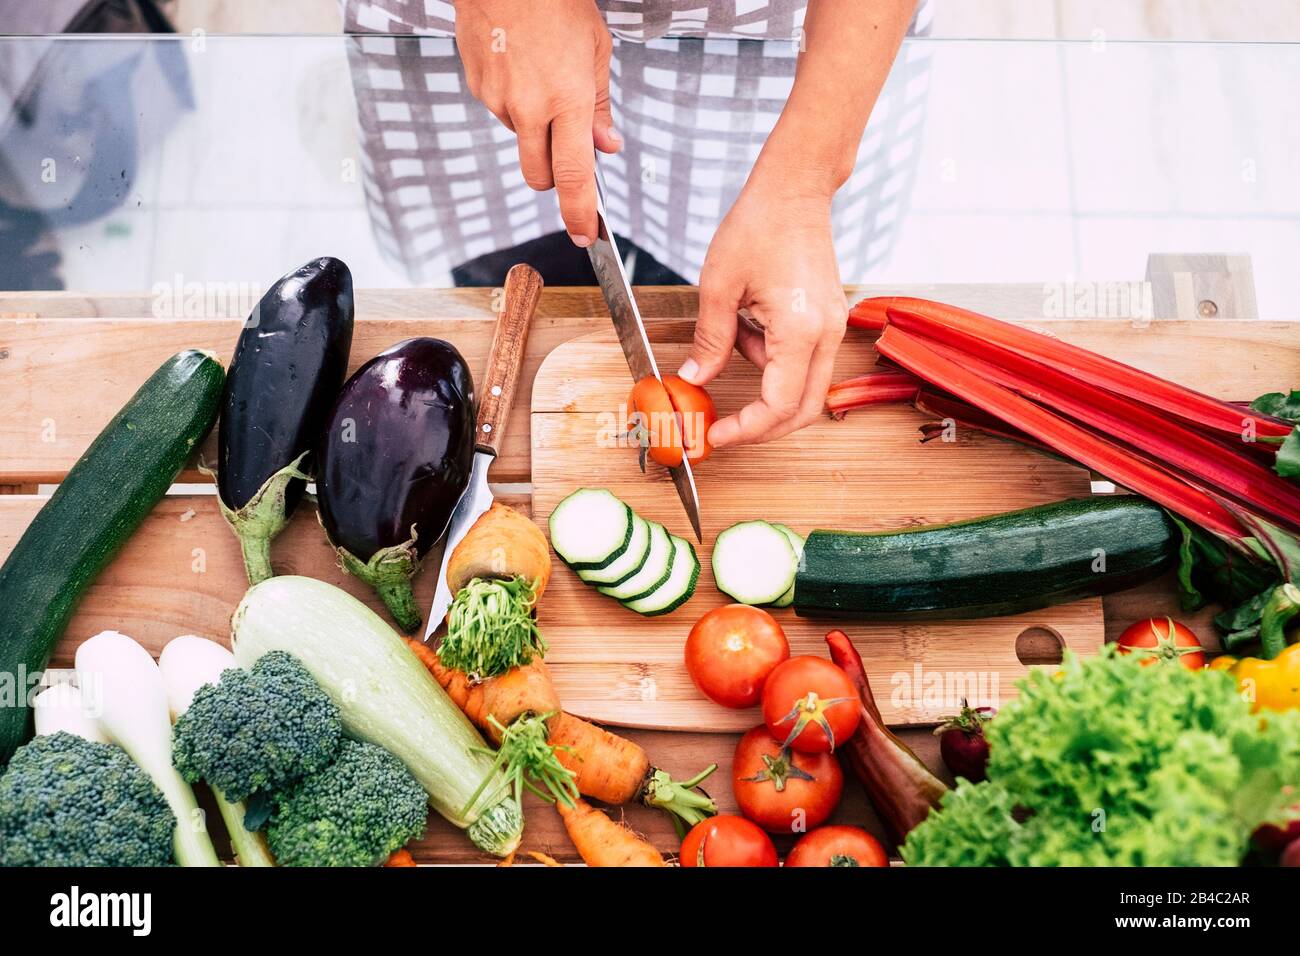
[
  {"x": 754, "y": 562},
  {"x": 626, "y": 564},
  {"x": 590, "y": 529},
  {"x": 654, "y": 570},
  {"x": 679, "y": 587},
  {"x": 796, "y": 542}
]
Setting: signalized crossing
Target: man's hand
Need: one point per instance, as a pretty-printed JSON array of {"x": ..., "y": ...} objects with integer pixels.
[
  {"x": 773, "y": 257},
  {"x": 543, "y": 70}
]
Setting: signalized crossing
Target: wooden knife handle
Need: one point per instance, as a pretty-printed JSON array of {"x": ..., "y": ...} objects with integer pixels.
[{"x": 497, "y": 390}]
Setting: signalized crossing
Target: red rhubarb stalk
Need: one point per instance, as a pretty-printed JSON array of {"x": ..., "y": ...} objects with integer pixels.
[
  {"x": 944, "y": 322},
  {"x": 898, "y": 784},
  {"x": 1205, "y": 460},
  {"x": 875, "y": 388},
  {"x": 946, "y": 408},
  {"x": 1091, "y": 450}
]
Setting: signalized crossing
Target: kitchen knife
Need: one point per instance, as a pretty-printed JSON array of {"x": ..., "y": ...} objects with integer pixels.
[
  {"x": 496, "y": 392},
  {"x": 616, "y": 289}
]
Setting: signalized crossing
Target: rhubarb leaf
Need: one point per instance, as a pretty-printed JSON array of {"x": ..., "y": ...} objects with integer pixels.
[
  {"x": 1279, "y": 405},
  {"x": 1288, "y": 456}
]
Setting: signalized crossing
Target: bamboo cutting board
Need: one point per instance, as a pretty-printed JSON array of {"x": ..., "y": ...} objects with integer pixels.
[{"x": 866, "y": 472}]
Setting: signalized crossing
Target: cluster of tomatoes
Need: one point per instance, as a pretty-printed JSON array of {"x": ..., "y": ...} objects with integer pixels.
[{"x": 785, "y": 776}]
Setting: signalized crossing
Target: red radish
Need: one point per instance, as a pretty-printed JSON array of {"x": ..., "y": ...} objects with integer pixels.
[{"x": 961, "y": 742}]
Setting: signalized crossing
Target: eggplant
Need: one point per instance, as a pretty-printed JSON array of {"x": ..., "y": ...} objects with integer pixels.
[
  {"x": 395, "y": 457},
  {"x": 289, "y": 364}
]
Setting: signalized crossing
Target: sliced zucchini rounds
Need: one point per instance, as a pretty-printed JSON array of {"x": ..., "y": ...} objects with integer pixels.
[{"x": 624, "y": 556}]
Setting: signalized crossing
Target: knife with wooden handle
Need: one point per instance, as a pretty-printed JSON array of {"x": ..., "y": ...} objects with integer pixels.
[{"x": 523, "y": 289}]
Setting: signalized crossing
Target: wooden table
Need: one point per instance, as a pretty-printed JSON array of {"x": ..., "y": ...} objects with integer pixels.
[{"x": 68, "y": 361}]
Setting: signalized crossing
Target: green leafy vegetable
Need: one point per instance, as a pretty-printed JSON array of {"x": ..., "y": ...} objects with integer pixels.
[
  {"x": 491, "y": 628},
  {"x": 1284, "y": 405},
  {"x": 1114, "y": 764}
]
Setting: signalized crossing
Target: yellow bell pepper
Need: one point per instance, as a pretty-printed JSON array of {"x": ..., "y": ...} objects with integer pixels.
[{"x": 1273, "y": 684}]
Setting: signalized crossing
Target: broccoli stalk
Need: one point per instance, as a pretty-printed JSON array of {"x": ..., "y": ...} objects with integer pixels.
[
  {"x": 188, "y": 663},
  {"x": 127, "y": 688}
]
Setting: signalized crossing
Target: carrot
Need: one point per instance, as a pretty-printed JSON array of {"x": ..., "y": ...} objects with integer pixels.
[
  {"x": 400, "y": 858},
  {"x": 521, "y": 690},
  {"x": 602, "y": 842},
  {"x": 502, "y": 543},
  {"x": 605, "y": 766},
  {"x": 608, "y": 767}
]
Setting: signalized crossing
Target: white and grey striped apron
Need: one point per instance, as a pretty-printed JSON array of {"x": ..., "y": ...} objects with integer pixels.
[{"x": 695, "y": 87}]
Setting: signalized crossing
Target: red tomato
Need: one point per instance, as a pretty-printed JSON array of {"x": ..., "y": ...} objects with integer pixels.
[
  {"x": 838, "y": 846},
  {"x": 731, "y": 650},
  {"x": 811, "y": 704},
  {"x": 784, "y": 791},
  {"x": 727, "y": 840},
  {"x": 671, "y": 415},
  {"x": 1160, "y": 639}
]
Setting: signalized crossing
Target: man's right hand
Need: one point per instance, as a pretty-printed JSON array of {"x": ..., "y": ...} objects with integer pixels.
[{"x": 543, "y": 70}]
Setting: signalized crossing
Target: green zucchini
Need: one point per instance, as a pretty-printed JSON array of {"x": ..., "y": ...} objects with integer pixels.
[
  {"x": 101, "y": 502},
  {"x": 1002, "y": 564}
]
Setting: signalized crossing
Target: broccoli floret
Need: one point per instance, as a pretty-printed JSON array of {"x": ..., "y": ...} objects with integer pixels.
[
  {"x": 68, "y": 801},
  {"x": 356, "y": 812},
  {"x": 257, "y": 731}
]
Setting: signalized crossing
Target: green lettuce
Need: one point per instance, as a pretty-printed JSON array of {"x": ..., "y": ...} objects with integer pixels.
[{"x": 1109, "y": 763}]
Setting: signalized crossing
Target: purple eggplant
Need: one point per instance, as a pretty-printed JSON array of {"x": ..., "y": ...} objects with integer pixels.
[
  {"x": 395, "y": 456},
  {"x": 289, "y": 363}
]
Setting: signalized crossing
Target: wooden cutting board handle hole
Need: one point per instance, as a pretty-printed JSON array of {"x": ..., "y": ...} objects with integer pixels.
[{"x": 1039, "y": 645}]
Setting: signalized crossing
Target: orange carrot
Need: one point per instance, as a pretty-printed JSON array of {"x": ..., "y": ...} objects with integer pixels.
[
  {"x": 519, "y": 691},
  {"x": 502, "y": 543},
  {"x": 400, "y": 858},
  {"x": 605, "y": 766},
  {"x": 608, "y": 767},
  {"x": 602, "y": 842}
]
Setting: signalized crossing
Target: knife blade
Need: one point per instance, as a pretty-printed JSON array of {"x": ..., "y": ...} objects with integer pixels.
[
  {"x": 617, "y": 291},
  {"x": 523, "y": 289}
]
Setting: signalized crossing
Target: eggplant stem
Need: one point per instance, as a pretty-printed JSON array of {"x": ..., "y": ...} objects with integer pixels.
[
  {"x": 262, "y": 517},
  {"x": 389, "y": 571},
  {"x": 257, "y": 558}
]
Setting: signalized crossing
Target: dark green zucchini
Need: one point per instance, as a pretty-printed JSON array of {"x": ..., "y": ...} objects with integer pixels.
[
  {"x": 104, "y": 498},
  {"x": 1002, "y": 564}
]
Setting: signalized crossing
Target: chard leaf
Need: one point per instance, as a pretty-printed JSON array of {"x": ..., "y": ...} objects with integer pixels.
[
  {"x": 1288, "y": 455},
  {"x": 1279, "y": 404}
]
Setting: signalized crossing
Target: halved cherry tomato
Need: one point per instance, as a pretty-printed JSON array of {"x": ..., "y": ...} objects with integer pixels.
[
  {"x": 671, "y": 415},
  {"x": 1162, "y": 639},
  {"x": 727, "y": 840},
  {"x": 810, "y": 704},
  {"x": 838, "y": 846},
  {"x": 731, "y": 650},
  {"x": 784, "y": 791}
]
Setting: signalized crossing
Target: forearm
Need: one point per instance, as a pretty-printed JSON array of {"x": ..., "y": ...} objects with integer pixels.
[{"x": 849, "y": 48}]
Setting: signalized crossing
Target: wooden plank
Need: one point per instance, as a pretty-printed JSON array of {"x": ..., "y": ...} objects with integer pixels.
[
  {"x": 1019, "y": 301},
  {"x": 868, "y": 471},
  {"x": 181, "y": 572},
  {"x": 45, "y": 425}
]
